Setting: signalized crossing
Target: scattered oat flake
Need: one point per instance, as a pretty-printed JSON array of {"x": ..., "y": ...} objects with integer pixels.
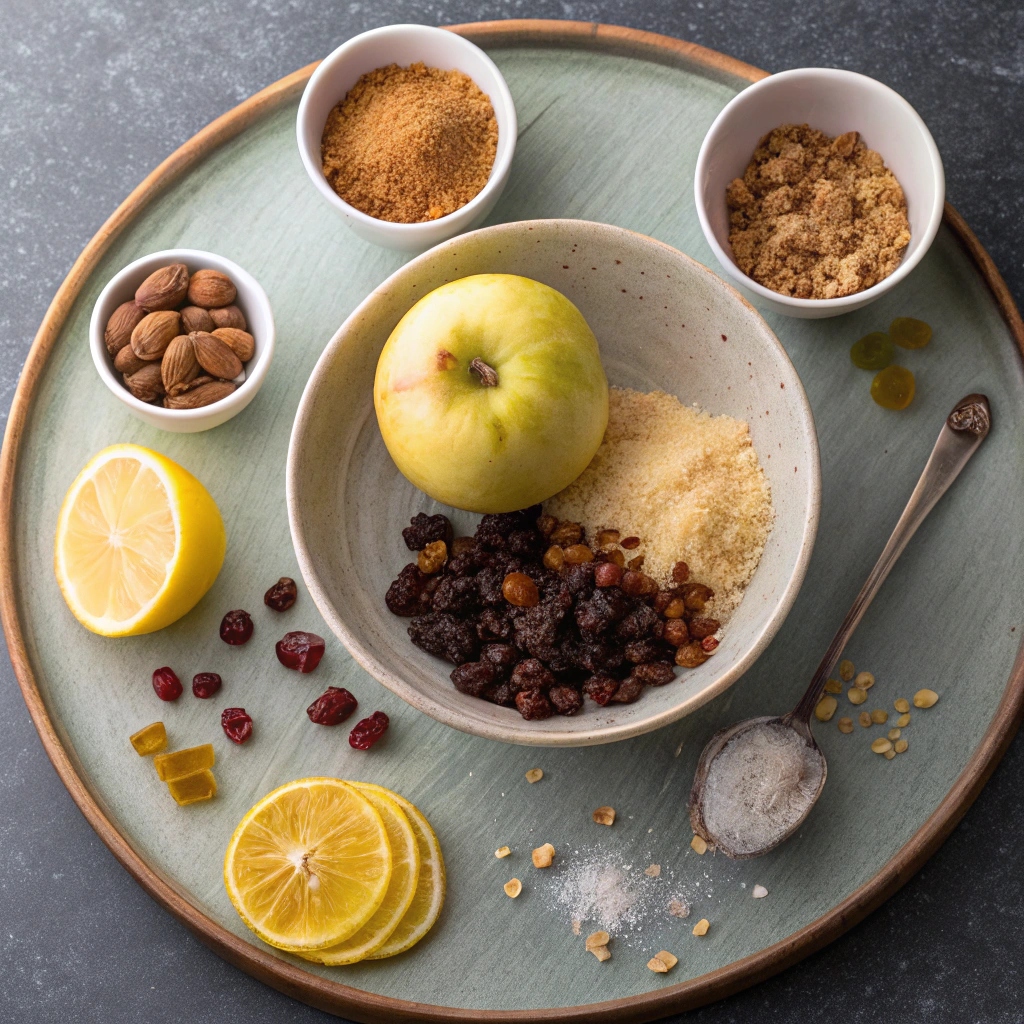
[
  {"x": 534, "y": 775},
  {"x": 513, "y": 887},
  {"x": 502, "y": 851},
  {"x": 679, "y": 908},
  {"x": 759, "y": 892},
  {"x": 653, "y": 871},
  {"x": 702, "y": 926}
]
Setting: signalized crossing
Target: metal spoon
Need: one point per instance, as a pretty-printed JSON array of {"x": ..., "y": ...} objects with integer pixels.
[{"x": 775, "y": 814}]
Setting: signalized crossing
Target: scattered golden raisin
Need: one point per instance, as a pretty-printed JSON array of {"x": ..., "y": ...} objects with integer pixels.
[
  {"x": 577, "y": 554},
  {"x": 925, "y": 698},
  {"x": 846, "y": 670},
  {"x": 432, "y": 558},
  {"x": 566, "y": 534},
  {"x": 518, "y": 589}
]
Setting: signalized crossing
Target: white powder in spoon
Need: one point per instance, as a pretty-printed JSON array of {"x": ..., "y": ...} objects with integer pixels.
[{"x": 759, "y": 786}]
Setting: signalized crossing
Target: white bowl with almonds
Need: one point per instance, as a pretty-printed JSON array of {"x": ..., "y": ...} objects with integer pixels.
[{"x": 184, "y": 338}]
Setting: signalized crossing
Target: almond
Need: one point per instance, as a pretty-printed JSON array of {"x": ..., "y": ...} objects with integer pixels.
[
  {"x": 164, "y": 288},
  {"x": 198, "y": 397},
  {"x": 191, "y": 385},
  {"x": 195, "y": 319},
  {"x": 229, "y": 316},
  {"x": 215, "y": 356},
  {"x": 122, "y": 322},
  {"x": 154, "y": 333},
  {"x": 146, "y": 384},
  {"x": 179, "y": 364},
  {"x": 127, "y": 362},
  {"x": 241, "y": 343},
  {"x": 210, "y": 288}
]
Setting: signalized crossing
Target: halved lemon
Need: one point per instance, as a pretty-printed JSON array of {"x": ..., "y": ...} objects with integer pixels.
[
  {"x": 429, "y": 897},
  {"x": 139, "y": 542},
  {"x": 405, "y": 872},
  {"x": 309, "y": 864}
]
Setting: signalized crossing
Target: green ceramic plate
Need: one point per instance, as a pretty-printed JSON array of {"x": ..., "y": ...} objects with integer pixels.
[{"x": 611, "y": 124}]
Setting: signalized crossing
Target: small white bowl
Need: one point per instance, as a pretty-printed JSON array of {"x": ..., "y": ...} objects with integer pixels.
[
  {"x": 405, "y": 45},
  {"x": 833, "y": 102},
  {"x": 252, "y": 301}
]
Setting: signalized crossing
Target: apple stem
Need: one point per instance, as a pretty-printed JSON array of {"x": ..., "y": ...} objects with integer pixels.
[{"x": 487, "y": 374}]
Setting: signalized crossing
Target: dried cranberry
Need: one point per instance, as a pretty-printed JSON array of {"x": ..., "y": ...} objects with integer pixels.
[
  {"x": 205, "y": 684},
  {"x": 334, "y": 705},
  {"x": 236, "y": 628},
  {"x": 281, "y": 596},
  {"x": 709, "y": 644},
  {"x": 236, "y": 723},
  {"x": 423, "y": 530},
  {"x": 300, "y": 651},
  {"x": 167, "y": 684},
  {"x": 600, "y": 688},
  {"x": 473, "y": 677},
  {"x": 655, "y": 673},
  {"x": 566, "y": 699},
  {"x": 368, "y": 731},
  {"x": 533, "y": 705}
]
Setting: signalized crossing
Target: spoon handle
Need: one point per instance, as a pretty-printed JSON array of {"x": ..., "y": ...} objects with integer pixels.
[{"x": 962, "y": 433}]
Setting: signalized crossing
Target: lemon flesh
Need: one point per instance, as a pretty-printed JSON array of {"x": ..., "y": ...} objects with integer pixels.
[
  {"x": 308, "y": 865},
  {"x": 429, "y": 897},
  {"x": 139, "y": 542},
  {"x": 405, "y": 871}
]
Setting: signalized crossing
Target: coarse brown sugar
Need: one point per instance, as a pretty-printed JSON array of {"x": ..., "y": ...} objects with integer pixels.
[
  {"x": 410, "y": 144},
  {"x": 816, "y": 217}
]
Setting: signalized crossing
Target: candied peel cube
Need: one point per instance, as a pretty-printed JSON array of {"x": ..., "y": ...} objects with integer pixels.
[
  {"x": 180, "y": 763},
  {"x": 150, "y": 740},
  {"x": 191, "y": 789}
]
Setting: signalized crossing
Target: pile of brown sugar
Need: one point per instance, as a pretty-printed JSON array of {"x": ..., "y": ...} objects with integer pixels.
[
  {"x": 410, "y": 144},
  {"x": 816, "y": 217}
]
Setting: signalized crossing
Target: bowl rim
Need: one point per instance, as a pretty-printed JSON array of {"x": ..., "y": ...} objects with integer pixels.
[
  {"x": 907, "y": 264},
  {"x": 515, "y": 732},
  {"x": 231, "y": 404},
  {"x": 502, "y": 157}
]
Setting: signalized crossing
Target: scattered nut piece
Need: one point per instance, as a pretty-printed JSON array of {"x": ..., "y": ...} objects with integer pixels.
[
  {"x": 653, "y": 871},
  {"x": 432, "y": 558},
  {"x": 679, "y": 908},
  {"x": 663, "y": 962},
  {"x": 881, "y": 745},
  {"x": 903, "y": 721},
  {"x": 543, "y": 856},
  {"x": 879, "y": 717},
  {"x": 856, "y": 695},
  {"x": 865, "y": 680},
  {"x": 833, "y": 686},
  {"x": 702, "y": 926},
  {"x": 759, "y": 892},
  {"x": 846, "y": 725},
  {"x": 900, "y": 746},
  {"x": 604, "y": 815},
  {"x": 902, "y": 705},
  {"x": 698, "y": 845},
  {"x": 846, "y": 670},
  {"x": 502, "y": 852},
  {"x": 513, "y": 887},
  {"x": 864, "y": 718},
  {"x": 925, "y": 698},
  {"x": 595, "y": 939},
  {"x": 534, "y": 775},
  {"x": 894, "y": 734},
  {"x": 826, "y": 709},
  {"x": 889, "y": 755},
  {"x": 602, "y": 953}
]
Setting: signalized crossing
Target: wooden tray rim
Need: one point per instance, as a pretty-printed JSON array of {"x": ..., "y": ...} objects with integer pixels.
[{"x": 342, "y": 999}]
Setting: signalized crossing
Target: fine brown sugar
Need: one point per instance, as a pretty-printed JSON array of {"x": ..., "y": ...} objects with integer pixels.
[
  {"x": 410, "y": 144},
  {"x": 816, "y": 217}
]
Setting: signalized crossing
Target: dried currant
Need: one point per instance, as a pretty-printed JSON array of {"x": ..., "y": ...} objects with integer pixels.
[
  {"x": 368, "y": 731},
  {"x": 701, "y": 628},
  {"x": 282, "y": 595},
  {"x": 205, "y": 684},
  {"x": 533, "y": 705},
  {"x": 423, "y": 530},
  {"x": 236, "y": 628},
  {"x": 532, "y": 674},
  {"x": 566, "y": 700},
  {"x": 408, "y": 595},
  {"x": 600, "y": 688},
  {"x": 445, "y": 636},
  {"x": 473, "y": 677},
  {"x": 629, "y": 690},
  {"x": 166, "y": 684},
  {"x": 236, "y": 723},
  {"x": 653, "y": 673},
  {"x": 300, "y": 651},
  {"x": 334, "y": 705}
]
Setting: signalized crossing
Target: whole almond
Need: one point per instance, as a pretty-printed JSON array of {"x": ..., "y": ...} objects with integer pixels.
[
  {"x": 146, "y": 384},
  {"x": 198, "y": 397},
  {"x": 164, "y": 288},
  {"x": 127, "y": 362},
  {"x": 210, "y": 288},
  {"x": 122, "y": 322},
  {"x": 179, "y": 364},
  {"x": 195, "y": 319},
  {"x": 215, "y": 356},
  {"x": 241, "y": 343},
  {"x": 191, "y": 385},
  {"x": 154, "y": 333},
  {"x": 229, "y": 316}
]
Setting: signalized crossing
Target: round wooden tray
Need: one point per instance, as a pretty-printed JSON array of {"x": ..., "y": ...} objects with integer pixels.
[{"x": 878, "y": 821}]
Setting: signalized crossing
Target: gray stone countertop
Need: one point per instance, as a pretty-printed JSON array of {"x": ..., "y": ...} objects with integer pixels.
[{"x": 96, "y": 93}]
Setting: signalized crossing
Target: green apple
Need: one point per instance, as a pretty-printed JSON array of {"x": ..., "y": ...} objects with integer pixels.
[{"x": 490, "y": 393}]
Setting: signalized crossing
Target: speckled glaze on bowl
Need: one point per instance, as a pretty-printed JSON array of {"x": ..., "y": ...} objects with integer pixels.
[{"x": 662, "y": 321}]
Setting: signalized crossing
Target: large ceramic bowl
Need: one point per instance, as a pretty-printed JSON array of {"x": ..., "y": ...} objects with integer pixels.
[{"x": 662, "y": 321}]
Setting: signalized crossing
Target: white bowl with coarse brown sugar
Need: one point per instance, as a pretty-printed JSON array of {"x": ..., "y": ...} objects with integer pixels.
[
  {"x": 663, "y": 323},
  {"x": 834, "y": 102}
]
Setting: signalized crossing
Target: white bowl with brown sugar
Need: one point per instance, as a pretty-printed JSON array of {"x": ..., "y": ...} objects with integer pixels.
[
  {"x": 663, "y": 323},
  {"x": 819, "y": 244}
]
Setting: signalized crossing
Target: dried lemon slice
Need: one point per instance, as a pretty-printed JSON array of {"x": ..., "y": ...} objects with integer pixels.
[
  {"x": 405, "y": 873},
  {"x": 429, "y": 897},
  {"x": 309, "y": 864}
]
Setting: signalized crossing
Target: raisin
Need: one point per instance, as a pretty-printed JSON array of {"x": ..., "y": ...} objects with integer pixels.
[
  {"x": 518, "y": 589},
  {"x": 491, "y": 625},
  {"x": 282, "y": 595},
  {"x": 602, "y": 609},
  {"x": 424, "y": 529},
  {"x": 695, "y": 596},
  {"x": 601, "y": 656},
  {"x": 630, "y": 543},
  {"x": 408, "y": 595},
  {"x": 640, "y": 652},
  {"x": 236, "y": 628},
  {"x": 495, "y": 529},
  {"x": 300, "y": 650},
  {"x": 334, "y": 705},
  {"x": 690, "y": 654},
  {"x": 566, "y": 534},
  {"x": 462, "y": 546},
  {"x": 607, "y": 574},
  {"x": 638, "y": 584},
  {"x": 680, "y": 573},
  {"x": 457, "y": 595},
  {"x": 502, "y": 656},
  {"x": 166, "y": 683},
  {"x": 545, "y": 525},
  {"x": 639, "y": 623},
  {"x": 662, "y": 600},
  {"x": 236, "y": 723},
  {"x": 532, "y": 674},
  {"x": 533, "y": 705},
  {"x": 501, "y": 694},
  {"x": 629, "y": 690},
  {"x": 473, "y": 677},
  {"x": 654, "y": 673},
  {"x": 700, "y": 628},
  {"x": 368, "y": 731},
  {"x": 600, "y": 688},
  {"x": 205, "y": 684},
  {"x": 445, "y": 636},
  {"x": 566, "y": 700},
  {"x": 525, "y": 543},
  {"x": 675, "y": 632}
]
